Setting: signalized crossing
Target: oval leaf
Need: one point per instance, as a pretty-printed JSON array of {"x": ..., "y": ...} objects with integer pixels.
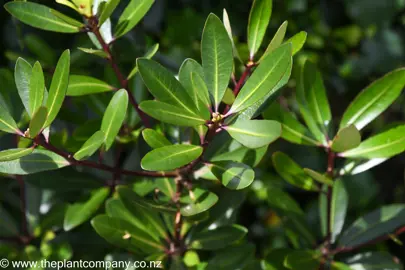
[
  {"x": 41, "y": 16},
  {"x": 266, "y": 76},
  {"x": 259, "y": 19},
  {"x": 170, "y": 157},
  {"x": 114, "y": 116},
  {"x": 171, "y": 114},
  {"x": 339, "y": 204},
  {"x": 79, "y": 213},
  {"x": 57, "y": 92},
  {"x": 218, "y": 238},
  {"x": 383, "y": 145},
  {"x": 217, "y": 58},
  {"x": 90, "y": 146},
  {"x": 22, "y": 77},
  {"x": 37, "y": 161},
  {"x": 321, "y": 178},
  {"x": 297, "y": 41},
  {"x": 84, "y": 85},
  {"x": 346, "y": 139},
  {"x": 107, "y": 11},
  {"x": 154, "y": 138},
  {"x": 255, "y": 133},
  {"x": 37, "y": 88},
  {"x": 373, "y": 100},
  {"x": 233, "y": 175},
  {"x": 200, "y": 201},
  {"x": 12, "y": 154},
  {"x": 37, "y": 122},
  {"x": 276, "y": 41},
  {"x": 292, "y": 172}
]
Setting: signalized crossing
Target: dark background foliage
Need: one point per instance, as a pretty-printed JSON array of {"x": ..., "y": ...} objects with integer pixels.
[{"x": 353, "y": 42}]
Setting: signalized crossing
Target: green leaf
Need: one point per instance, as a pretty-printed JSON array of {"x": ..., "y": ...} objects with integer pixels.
[
  {"x": 37, "y": 88},
  {"x": 7, "y": 123},
  {"x": 217, "y": 58},
  {"x": 315, "y": 94},
  {"x": 84, "y": 85},
  {"x": 227, "y": 24},
  {"x": 276, "y": 41},
  {"x": 263, "y": 80},
  {"x": 12, "y": 154},
  {"x": 79, "y": 213},
  {"x": 40, "y": 16},
  {"x": 297, "y": 41},
  {"x": 195, "y": 87},
  {"x": 125, "y": 235},
  {"x": 132, "y": 14},
  {"x": 321, "y": 178},
  {"x": 164, "y": 86},
  {"x": 346, "y": 139},
  {"x": 171, "y": 114},
  {"x": 108, "y": 11},
  {"x": 200, "y": 201},
  {"x": 259, "y": 19},
  {"x": 292, "y": 130},
  {"x": 59, "y": 85},
  {"x": 90, "y": 146},
  {"x": 229, "y": 97},
  {"x": 231, "y": 258},
  {"x": 255, "y": 133},
  {"x": 22, "y": 76},
  {"x": 233, "y": 175},
  {"x": 353, "y": 167},
  {"x": 154, "y": 138},
  {"x": 99, "y": 53},
  {"x": 374, "y": 260},
  {"x": 339, "y": 204},
  {"x": 114, "y": 116},
  {"x": 148, "y": 55},
  {"x": 303, "y": 260},
  {"x": 131, "y": 199},
  {"x": 373, "y": 100},
  {"x": 380, "y": 222},
  {"x": 218, "y": 238},
  {"x": 384, "y": 145},
  {"x": 166, "y": 185},
  {"x": 292, "y": 172},
  {"x": 37, "y": 161},
  {"x": 170, "y": 157},
  {"x": 274, "y": 260},
  {"x": 37, "y": 122}
]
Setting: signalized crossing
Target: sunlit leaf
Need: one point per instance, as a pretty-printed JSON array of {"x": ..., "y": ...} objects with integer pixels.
[
  {"x": 259, "y": 19},
  {"x": 84, "y": 85},
  {"x": 90, "y": 146},
  {"x": 154, "y": 138}
]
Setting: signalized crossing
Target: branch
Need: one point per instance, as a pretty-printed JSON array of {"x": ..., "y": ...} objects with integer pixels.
[{"x": 93, "y": 25}]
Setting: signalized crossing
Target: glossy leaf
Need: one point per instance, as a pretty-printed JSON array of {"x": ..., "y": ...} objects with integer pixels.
[
  {"x": 12, "y": 154},
  {"x": 353, "y": 167},
  {"x": 99, "y": 53},
  {"x": 37, "y": 88},
  {"x": 201, "y": 201},
  {"x": 40, "y": 16},
  {"x": 37, "y": 122},
  {"x": 164, "y": 86},
  {"x": 373, "y": 260},
  {"x": 7, "y": 123},
  {"x": 346, "y": 139},
  {"x": 303, "y": 260},
  {"x": 37, "y": 161},
  {"x": 259, "y": 19},
  {"x": 380, "y": 222},
  {"x": 383, "y": 145},
  {"x": 22, "y": 76},
  {"x": 255, "y": 133},
  {"x": 114, "y": 116},
  {"x": 217, "y": 58},
  {"x": 263, "y": 80},
  {"x": 297, "y": 41},
  {"x": 131, "y": 199},
  {"x": 84, "y": 85},
  {"x": 339, "y": 205},
  {"x": 59, "y": 85},
  {"x": 90, "y": 146},
  {"x": 233, "y": 175},
  {"x": 218, "y": 238},
  {"x": 170, "y": 157},
  {"x": 201, "y": 88},
  {"x": 107, "y": 11},
  {"x": 321, "y": 178},
  {"x": 79, "y": 213},
  {"x": 276, "y": 41},
  {"x": 171, "y": 114},
  {"x": 125, "y": 235},
  {"x": 227, "y": 24},
  {"x": 133, "y": 13},
  {"x": 315, "y": 94},
  {"x": 374, "y": 100},
  {"x": 154, "y": 138},
  {"x": 292, "y": 172},
  {"x": 148, "y": 55},
  {"x": 292, "y": 130}
]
